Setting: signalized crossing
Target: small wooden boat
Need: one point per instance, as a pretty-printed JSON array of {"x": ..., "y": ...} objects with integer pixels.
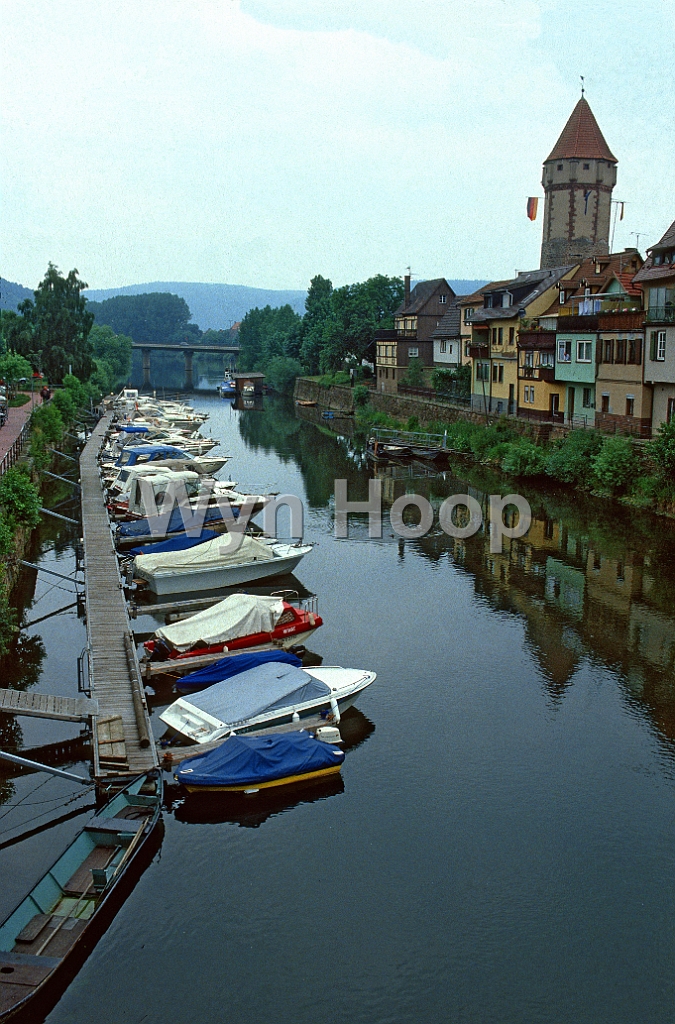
[
  {"x": 64, "y": 912},
  {"x": 305, "y": 403},
  {"x": 382, "y": 450},
  {"x": 247, "y": 764}
]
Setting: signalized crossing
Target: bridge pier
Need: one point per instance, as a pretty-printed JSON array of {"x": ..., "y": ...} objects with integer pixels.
[
  {"x": 146, "y": 369},
  {"x": 188, "y": 369}
]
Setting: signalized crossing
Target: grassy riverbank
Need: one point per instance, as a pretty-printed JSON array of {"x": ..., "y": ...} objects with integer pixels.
[{"x": 610, "y": 466}]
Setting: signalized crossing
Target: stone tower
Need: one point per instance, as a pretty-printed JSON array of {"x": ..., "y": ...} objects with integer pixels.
[{"x": 578, "y": 179}]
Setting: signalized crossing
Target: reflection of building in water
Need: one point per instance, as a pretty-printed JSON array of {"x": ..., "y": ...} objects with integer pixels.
[{"x": 576, "y": 601}]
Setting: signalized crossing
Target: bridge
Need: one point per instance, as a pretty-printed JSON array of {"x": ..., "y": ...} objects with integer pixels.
[{"x": 147, "y": 348}]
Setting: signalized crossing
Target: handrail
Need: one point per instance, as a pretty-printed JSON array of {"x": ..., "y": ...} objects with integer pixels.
[{"x": 12, "y": 455}]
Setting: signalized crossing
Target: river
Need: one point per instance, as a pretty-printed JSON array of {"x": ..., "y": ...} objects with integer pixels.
[{"x": 499, "y": 847}]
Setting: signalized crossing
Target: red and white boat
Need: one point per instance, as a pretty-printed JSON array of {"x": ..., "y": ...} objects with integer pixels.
[{"x": 239, "y": 622}]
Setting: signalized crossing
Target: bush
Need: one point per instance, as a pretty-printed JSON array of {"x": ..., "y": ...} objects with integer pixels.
[
  {"x": 361, "y": 395},
  {"x": 17, "y": 401},
  {"x": 412, "y": 423},
  {"x": 569, "y": 460},
  {"x": 616, "y": 464},
  {"x": 48, "y": 420},
  {"x": 457, "y": 381},
  {"x": 63, "y": 401},
  {"x": 281, "y": 373},
  {"x": 340, "y": 378},
  {"x": 524, "y": 459},
  {"x": 414, "y": 375},
  {"x": 19, "y": 497},
  {"x": 662, "y": 450}
]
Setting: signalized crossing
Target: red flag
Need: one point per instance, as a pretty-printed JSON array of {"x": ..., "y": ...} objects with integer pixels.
[{"x": 532, "y": 204}]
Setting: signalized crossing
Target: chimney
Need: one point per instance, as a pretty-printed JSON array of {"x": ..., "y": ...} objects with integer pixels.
[{"x": 406, "y": 296}]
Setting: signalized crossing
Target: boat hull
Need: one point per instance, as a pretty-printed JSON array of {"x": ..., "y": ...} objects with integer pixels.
[
  {"x": 253, "y": 787},
  {"x": 217, "y": 577}
]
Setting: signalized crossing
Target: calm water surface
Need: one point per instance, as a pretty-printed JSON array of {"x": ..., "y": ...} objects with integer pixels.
[{"x": 500, "y": 845}]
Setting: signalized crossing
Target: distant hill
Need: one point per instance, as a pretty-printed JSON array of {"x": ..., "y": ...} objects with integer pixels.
[
  {"x": 12, "y": 294},
  {"x": 465, "y": 287},
  {"x": 213, "y": 306}
]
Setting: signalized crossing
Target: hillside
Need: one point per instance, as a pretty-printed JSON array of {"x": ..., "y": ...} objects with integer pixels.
[
  {"x": 213, "y": 306},
  {"x": 12, "y": 294}
]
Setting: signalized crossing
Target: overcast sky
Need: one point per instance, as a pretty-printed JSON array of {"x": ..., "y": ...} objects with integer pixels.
[{"x": 262, "y": 142}]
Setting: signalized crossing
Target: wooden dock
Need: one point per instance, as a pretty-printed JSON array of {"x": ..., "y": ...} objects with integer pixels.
[
  {"x": 46, "y": 705},
  {"x": 122, "y": 740}
]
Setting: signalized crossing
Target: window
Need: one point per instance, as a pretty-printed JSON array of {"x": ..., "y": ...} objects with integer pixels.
[
  {"x": 630, "y": 405},
  {"x": 501, "y": 373},
  {"x": 529, "y": 395},
  {"x": 526, "y": 394},
  {"x": 546, "y": 359},
  {"x": 386, "y": 373},
  {"x": 413, "y": 352},
  {"x": 671, "y": 409},
  {"x": 444, "y": 346},
  {"x": 467, "y": 349},
  {"x": 587, "y": 400},
  {"x": 587, "y": 167},
  {"x": 468, "y": 313},
  {"x": 512, "y": 335},
  {"x": 620, "y": 351},
  {"x": 564, "y": 351},
  {"x": 488, "y": 302},
  {"x": 482, "y": 371},
  {"x": 563, "y": 297},
  {"x": 494, "y": 335},
  {"x": 607, "y": 357},
  {"x": 635, "y": 352},
  {"x": 605, "y": 403},
  {"x": 442, "y": 299},
  {"x": 657, "y": 340},
  {"x": 529, "y": 359},
  {"x": 500, "y": 336},
  {"x": 495, "y": 372},
  {"x": 584, "y": 351},
  {"x": 560, "y": 167},
  {"x": 506, "y": 300}
]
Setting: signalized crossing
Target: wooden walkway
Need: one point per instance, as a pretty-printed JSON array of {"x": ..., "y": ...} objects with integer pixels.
[
  {"x": 114, "y": 676},
  {"x": 46, "y": 705}
]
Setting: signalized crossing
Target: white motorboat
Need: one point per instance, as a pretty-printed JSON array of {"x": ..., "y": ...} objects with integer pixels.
[
  {"x": 226, "y": 561},
  {"x": 271, "y": 694}
]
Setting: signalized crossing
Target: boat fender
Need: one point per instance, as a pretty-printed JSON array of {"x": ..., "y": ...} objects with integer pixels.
[
  {"x": 296, "y": 717},
  {"x": 335, "y": 709}
]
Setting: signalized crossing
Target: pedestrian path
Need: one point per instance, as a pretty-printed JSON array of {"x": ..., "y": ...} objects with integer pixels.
[{"x": 16, "y": 421}]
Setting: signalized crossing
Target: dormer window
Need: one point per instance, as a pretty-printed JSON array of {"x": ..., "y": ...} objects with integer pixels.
[
  {"x": 488, "y": 302},
  {"x": 506, "y": 300},
  {"x": 658, "y": 260}
]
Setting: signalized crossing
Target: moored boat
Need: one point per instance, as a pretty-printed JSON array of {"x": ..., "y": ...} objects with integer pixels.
[
  {"x": 270, "y": 694},
  {"x": 64, "y": 912},
  {"x": 250, "y": 763},
  {"x": 239, "y": 622}
]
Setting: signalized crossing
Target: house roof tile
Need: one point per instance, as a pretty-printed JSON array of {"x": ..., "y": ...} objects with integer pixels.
[{"x": 420, "y": 295}]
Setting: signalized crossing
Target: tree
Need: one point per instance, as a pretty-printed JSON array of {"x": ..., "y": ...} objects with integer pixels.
[
  {"x": 662, "y": 450},
  {"x": 59, "y": 323},
  {"x": 13, "y": 367},
  {"x": 16, "y": 333},
  {"x": 267, "y": 334},
  {"x": 616, "y": 464},
  {"x": 112, "y": 354},
  {"x": 154, "y": 317},
  {"x": 317, "y": 312}
]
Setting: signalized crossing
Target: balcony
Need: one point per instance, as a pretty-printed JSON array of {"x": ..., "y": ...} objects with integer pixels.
[
  {"x": 661, "y": 314},
  {"x": 546, "y": 373}
]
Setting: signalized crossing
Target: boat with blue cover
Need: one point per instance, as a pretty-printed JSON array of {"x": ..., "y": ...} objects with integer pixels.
[
  {"x": 270, "y": 694},
  {"x": 65, "y": 912},
  {"x": 250, "y": 763}
]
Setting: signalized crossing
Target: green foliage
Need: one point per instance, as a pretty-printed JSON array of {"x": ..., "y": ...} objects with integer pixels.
[
  {"x": 267, "y": 334},
  {"x": 413, "y": 423},
  {"x": 13, "y": 367},
  {"x": 15, "y": 333},
  {"x": 569, "y": 460},
  {"x": 112, "y": 354},
  {"x": 339, "y": 379},
  {"x": 616, "y": 464},
  {"x": 414, "y": 375},
  {"x": 483, "y": 439},
  {"x": 19, "y": 500},
  {"x": 662, "y": 450},
  {"x": 453, "y": 382},
  {"x": 317, "y": 313},
  {"x": 64, "y": 402},
  {"x": 361, "y": 395},
  {"x": 155, "y": 317},
  {"x": 57, "y": 326},
  {"x": 281, "y": 373},
  {"x": 48, "y": 420},
  {"x": 18, "y": 401},
  {"x": 523, "y": 458}
]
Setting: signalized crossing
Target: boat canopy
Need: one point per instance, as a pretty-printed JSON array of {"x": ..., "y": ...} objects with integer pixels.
[
  {"x": 233, "y": 665},
  {"x": 238, "y": 615},
  {"x": 250, "y": 759},
  {"x": 145, "y": 527},
  {"x": 225, "y": 549},
  {"x": 269, "y": 687},
  {"x": 177, "y": 543},
  {"x": 134, "y": 430}
]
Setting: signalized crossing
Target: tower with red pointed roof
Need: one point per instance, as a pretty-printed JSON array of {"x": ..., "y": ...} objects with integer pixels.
[{"x": 579, "y": 175}]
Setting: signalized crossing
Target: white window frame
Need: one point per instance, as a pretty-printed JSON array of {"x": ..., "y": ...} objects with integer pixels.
[
  {"x": 563, "y": 355},
  {"x": 443, "y": 347},
  {"x": 587, "y": 346},
  {"x": 660, "y": 346},
  {"x": 413, "y": 352},
  {"x": 442, "y": 299}
]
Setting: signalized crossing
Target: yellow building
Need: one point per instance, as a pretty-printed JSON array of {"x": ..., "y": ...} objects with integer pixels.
[{"x": 507, "y": 308}]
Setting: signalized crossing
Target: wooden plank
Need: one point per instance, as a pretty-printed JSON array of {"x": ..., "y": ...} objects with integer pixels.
[{"x": 47, "y": 705}]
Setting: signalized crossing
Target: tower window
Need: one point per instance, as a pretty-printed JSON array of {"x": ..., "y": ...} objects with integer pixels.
[{"x": 560, "y": 167}]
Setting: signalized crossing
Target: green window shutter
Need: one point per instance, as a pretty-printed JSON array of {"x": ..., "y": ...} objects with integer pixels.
[{"x": 652, "y": 345}]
